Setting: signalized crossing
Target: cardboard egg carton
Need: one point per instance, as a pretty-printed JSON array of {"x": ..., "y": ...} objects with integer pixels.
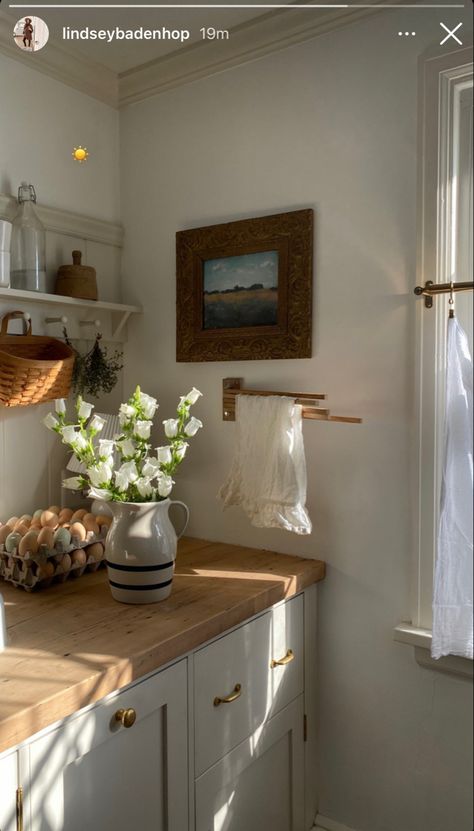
[{"x": 47, "y": 566}]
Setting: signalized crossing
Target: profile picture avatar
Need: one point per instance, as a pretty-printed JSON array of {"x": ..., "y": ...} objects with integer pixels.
[{"x": 31, "y": 34}]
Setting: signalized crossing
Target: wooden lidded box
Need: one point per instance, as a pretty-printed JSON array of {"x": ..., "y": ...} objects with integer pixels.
[{"x": 77, "y": 280}]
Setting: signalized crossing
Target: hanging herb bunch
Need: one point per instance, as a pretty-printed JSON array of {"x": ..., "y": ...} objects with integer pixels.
[{"x": 94, "y": 372}]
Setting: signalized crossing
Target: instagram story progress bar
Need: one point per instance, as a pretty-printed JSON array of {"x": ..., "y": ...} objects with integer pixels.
[{"x": 288, "y": 6}]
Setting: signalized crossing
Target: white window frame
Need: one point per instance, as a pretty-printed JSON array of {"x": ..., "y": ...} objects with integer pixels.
[{"x": 444, "y": 79}]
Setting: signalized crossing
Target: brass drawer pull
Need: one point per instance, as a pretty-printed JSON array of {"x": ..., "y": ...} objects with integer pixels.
[
  {"x": 19, "y": 809},
  {"x": 290, "y": 656},
  {"x": 126, "y": 717},
  {"x": 227, "y": 699}
]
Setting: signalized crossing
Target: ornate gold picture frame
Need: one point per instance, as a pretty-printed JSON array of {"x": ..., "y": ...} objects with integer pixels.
[{"x": 244, "y": 289}]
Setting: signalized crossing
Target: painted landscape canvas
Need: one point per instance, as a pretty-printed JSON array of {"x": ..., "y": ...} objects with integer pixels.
[{"x": 241, "y": 291}]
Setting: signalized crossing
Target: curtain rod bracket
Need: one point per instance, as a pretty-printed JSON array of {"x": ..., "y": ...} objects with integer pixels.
[{"x": 420, "y": 290}]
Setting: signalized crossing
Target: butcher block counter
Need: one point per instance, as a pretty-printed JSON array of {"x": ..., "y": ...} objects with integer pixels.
[{"x": 71, "y": 645}]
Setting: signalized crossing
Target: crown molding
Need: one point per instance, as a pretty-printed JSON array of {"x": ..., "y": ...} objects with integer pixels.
[
  {"x": 265, "y": 35},
  {"x": 249, "y": 41},
  {"x": 66, "y": 222},
  {"x": 59, "y": 63}
]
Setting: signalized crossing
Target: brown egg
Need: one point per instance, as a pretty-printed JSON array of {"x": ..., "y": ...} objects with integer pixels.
[
  {"x": 26, "y": 518},
  {"x": 12, "y": 521},
  {"x": 49, "y": 519},
  {"x": 78, "y": 557},
  {"x": 35, "y": 523},
  {"x": 55, "y": 509},
  {"x": 90, "y": 524},
  {"x": 65, "y": 515},
  {"x": 46, "y": 537},
  {"x": 95, "y": 551},
  {"x": 45, "y": 571},
  {"x": 66, "y": 563},
  {"x": 77, "y": 515},
  {"x": 77, "y": 530},
  {"x": 22, "y": 528},
  {"x": 102, "y": 519},
  {"x": 5, "y": 530},
  {"x": 29, "y": 543}
]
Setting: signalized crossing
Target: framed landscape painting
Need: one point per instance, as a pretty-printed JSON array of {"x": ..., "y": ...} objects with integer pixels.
[{"x": 244, "y": 289}]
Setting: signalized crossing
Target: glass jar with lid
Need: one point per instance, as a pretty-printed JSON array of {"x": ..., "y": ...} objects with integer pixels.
[{"x": 28, "y": 246}]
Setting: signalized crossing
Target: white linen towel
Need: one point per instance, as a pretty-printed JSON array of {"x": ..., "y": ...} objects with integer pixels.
[
  {"x": 268, "y": 473},
  {"x": 452, "y": 602}
]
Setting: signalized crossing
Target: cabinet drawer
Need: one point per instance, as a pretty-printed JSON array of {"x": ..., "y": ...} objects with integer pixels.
[
  {"x": 287, "y": 658},
  {"x": 259, "y": 785},
  {"x": 259, "y": 667},
  {"x": 240, "y": 658}
]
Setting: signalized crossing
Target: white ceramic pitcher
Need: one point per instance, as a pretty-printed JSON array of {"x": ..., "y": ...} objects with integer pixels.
[{"x": 140, "y": 550}]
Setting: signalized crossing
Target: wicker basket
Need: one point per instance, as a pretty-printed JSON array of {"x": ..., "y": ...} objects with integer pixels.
[{"x": 33, "y": 368}]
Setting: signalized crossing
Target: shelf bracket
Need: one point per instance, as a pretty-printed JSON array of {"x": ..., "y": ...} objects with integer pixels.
[{"x": 119, "y": 320}]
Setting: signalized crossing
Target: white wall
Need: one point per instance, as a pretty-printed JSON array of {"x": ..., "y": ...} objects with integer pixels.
[
  {"x": 330, "y": 124},
  {"x": 41, "y": 121}
]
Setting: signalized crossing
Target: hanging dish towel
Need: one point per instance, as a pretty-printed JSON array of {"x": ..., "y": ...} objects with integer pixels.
[
  {"x": 452, "y": 604},
  {"x": 268, "y": 473}
]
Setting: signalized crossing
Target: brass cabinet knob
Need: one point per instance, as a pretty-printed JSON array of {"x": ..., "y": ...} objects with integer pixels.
[
  {"x": 227, "y": 699},
  {"x": 126, "y": 717},
  {"x": 290, "y": 655}
]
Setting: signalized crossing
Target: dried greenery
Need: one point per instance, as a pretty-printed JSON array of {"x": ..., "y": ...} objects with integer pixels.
[{"x": 95, "y": 372}]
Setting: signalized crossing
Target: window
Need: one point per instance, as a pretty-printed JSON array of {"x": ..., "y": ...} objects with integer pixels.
[{"x": 445, "y": 253}]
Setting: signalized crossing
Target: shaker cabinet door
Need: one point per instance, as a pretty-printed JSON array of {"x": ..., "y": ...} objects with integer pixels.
[
  {"x": 8, "y": 786},
  {"x": 118, "y": 767},
  {"x": 259, "y": 785}
]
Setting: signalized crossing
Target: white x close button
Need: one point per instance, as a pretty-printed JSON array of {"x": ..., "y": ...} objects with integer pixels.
[{"x": 451, "y": 34}]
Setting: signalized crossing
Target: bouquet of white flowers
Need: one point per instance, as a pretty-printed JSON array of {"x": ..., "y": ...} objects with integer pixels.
[{"x": 138, "y": 476}]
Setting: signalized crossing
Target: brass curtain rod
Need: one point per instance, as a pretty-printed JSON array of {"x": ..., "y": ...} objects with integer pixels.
[{"x": 430, "y": 289}]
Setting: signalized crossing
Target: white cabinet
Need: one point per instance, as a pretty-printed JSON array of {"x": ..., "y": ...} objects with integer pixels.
[
  {"x": 95, "y": 773},
  {"x": 259, "y": 785},
  {"x": 8, "y": 791},
  {"x": 249, "y": 725},
  {"x": 244, "y": 677},
  {"x": 238, "y": 703}
]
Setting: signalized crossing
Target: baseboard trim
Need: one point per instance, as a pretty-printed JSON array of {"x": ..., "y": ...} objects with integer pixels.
[{"x": 326, "y": 824}]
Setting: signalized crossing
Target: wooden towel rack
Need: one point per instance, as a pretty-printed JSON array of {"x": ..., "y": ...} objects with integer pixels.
[{"x": 231, "y": 387}]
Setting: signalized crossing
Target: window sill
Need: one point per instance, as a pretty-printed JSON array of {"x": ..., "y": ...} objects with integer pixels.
[{"x": 421, "y": 640}]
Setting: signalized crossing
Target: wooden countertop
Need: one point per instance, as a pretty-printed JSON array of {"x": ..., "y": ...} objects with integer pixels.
[{"x": 71, "y": 645}]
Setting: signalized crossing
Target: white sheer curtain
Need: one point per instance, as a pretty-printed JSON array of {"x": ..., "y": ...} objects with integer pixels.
[{"x": 453, "y": 587}]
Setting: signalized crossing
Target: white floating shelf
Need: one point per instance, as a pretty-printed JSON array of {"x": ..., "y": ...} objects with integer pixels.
[{"x": 120, "y": 311}]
